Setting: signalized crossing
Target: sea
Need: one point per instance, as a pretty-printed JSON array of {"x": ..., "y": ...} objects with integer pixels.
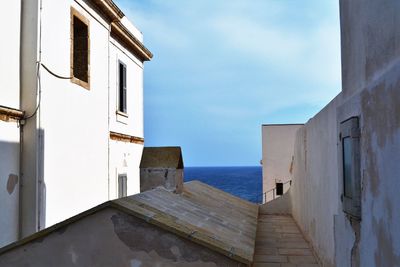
[{"x": 243, "y": 182}]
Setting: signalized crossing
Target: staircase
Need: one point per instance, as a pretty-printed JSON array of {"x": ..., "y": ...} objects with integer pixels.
[{"x": 279, "y": 243}]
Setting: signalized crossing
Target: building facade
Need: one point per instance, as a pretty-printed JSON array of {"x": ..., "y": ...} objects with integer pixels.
[
  {"x": 277, "y": 158},
  {"x": 71, "y": 128}
]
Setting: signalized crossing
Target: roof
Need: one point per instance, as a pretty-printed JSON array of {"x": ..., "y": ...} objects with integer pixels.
[
  {"x": 162, "y": 157},
  {"x": 119, "y": 30},
  {"x": 203, "y": 214}
]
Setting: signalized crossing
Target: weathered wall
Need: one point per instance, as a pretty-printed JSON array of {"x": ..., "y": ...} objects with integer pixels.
[
  {"x": 314, "y": 190},
  {"x": 9, "y": 132},
  {"x": 277, "y": 156},
  {"x": 171, "y": 179},
  {"x": 110, "y": 238},
  {"x": 371, "y": 91},
  {"x": 369, "y": 39}
]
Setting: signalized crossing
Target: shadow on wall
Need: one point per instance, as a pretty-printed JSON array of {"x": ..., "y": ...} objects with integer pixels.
[{"x": 9, "y": 167}]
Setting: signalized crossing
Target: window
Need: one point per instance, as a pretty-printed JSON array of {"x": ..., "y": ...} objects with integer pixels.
[
  {"x": 122, "y": 87},
  {"x": 122, "y": 185},
  {"x": 79, "y": 49},
  {"x": 279, "y": 189},
  {"x": 350, "y": 159}
]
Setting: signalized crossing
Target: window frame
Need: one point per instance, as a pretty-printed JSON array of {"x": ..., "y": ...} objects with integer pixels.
[
  {"x": 120, "y": 110},
  {"x": 76, "y": 14},
  {"x": 351, "y": 203}
]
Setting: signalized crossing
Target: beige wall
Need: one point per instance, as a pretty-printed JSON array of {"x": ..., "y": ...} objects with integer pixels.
[{"x": 277, "y": 156}]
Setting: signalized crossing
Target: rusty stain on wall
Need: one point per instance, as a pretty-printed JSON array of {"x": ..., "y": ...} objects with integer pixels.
[{"x": 11, "y": 183}]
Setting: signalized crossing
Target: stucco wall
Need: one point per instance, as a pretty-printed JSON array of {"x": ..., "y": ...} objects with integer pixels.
[
  {"x": 74, "y": 120},
  {"x": 277, "y": 156},
  {"x": 371, "y": 91},
  {"x": 170, "y": 178},
  {"x": 124, "y": 158},
  {"x": 110, "y": 238},
  {"x": 314, "y": 191},
  {"x": 10, "y": 45},
  {"x": 9, "y": 182},
  {"x": 370, "y": 36},
  {"x": 9, "y": 132}
]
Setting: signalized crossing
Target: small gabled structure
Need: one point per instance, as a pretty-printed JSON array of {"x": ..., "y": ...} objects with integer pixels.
[
  {"x": 161, "y": 166},
  {"x": 203, "y": 226}
]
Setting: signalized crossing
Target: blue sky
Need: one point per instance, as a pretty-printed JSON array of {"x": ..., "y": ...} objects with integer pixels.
[{"x": 222, "y": 68}]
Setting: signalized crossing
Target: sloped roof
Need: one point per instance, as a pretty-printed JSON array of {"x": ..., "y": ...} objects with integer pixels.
[
  {"x": 162, "y": 157},
  {"x": 203, "y": 214}
]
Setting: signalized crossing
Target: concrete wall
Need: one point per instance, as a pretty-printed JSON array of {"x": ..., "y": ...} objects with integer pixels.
[
  {"x": 277, "y": 156},
  {"x": 315, "y": 191},
  {"x": 171, "y": 179},
  {"x": 110, "y": 238},
  {"x": 369, "y": 37},
  {"x": 9, "y": 131},
  {"x": 371, "y": 91}
]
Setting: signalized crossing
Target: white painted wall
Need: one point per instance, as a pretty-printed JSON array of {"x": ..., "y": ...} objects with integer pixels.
[
  {"x": 9, "y": 182},
  {"x": 277, "y": 156},
  {"x": 9, "y": 132},
  {"x": 125, "y": 157},
  {"x": 9, "y": 62}
]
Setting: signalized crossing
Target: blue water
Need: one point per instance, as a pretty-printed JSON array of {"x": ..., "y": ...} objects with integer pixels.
[{"x": 244, "y": 182}]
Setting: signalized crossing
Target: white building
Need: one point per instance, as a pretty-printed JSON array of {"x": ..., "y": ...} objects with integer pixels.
[
  {"x": 277, "y": 158},
  {"x": 71, "y": 110}
]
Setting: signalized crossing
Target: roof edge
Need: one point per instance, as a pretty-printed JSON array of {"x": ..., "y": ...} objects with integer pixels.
[
  {"x": 282, "y": 124},
  {"x": 132, "y": 43},
  {"x": 110, "y": 9}
]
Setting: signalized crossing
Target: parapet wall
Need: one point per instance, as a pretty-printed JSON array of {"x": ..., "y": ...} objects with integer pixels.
[{"x": 314, "y": 190}]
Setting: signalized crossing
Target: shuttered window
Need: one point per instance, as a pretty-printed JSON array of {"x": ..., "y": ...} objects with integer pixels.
[
  {"x": 122, "y": 185},
  {"x": 122, "y": 88},
  {"x": 80, "y": 43},
  {"x": 350, "y": 166}
]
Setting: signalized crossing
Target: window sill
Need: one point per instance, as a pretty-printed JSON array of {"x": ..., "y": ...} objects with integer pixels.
[{"x": 123, "y": 114}]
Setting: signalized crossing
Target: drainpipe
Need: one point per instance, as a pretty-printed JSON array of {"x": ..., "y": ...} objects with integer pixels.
[{"x": 108, "y": 110}]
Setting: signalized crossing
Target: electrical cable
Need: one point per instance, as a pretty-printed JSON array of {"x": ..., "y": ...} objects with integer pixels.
[
  {"x": 55, "y": 75},
  {"x": 39, "y": 64}
]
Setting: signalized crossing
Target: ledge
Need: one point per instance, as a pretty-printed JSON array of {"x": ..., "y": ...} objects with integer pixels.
[
  {"x": 126, "y": 138},
  {"x": 121, "y": 33},
  {"x": 10, "y": 114}
]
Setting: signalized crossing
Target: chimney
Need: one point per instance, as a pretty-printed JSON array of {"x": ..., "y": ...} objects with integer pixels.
[{"x": 161, "y": 166}]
